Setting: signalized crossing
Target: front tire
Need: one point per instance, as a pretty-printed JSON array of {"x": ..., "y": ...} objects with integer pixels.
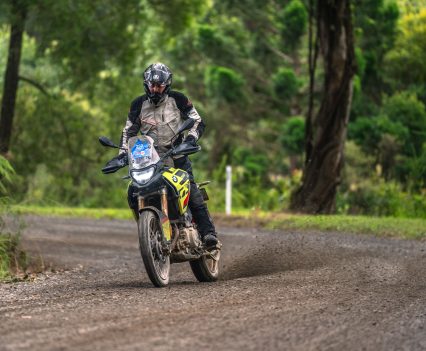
[
  {"x": 156, "y": 261},
  {"x": 206, "y": 268}
]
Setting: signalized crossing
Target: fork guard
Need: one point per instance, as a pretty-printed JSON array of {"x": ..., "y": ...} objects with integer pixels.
[{"x": 166, "y": 228}]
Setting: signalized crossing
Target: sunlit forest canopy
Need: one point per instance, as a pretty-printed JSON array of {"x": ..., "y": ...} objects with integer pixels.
[{"x": 245, "y": 66}]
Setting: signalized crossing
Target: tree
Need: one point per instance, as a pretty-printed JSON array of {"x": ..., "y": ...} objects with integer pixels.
[
  {"x": 17, "y": 19},
  {"x": 327, "y": 133},
  {"x": 81, "y": 36}
]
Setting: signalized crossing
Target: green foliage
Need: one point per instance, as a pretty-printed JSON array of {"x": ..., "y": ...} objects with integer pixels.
[
  {"x": 255, "y": 163},
  {"x": 411, "y": 171},
  {"x": 12, "y": 258},
  {"x": 358, "y": 165},
  {"x": 370, "y": 18},
  {"x": 285, "y": 83},
  {"x": 83, "y": 37},
  {"x": 405, "y": 109},
  {"x": 369, "y": 131},
  {"x": 396, "y": 138},
  {"x": 364, "y": 190},
  {"x": 406, "y": 62},
  {"x": 243, "y": 64},
  {"x": 175, "y": 16},
  {"x": 293, "y": 135},
  {"x": 252, "y": 183},
  {"x": 6, "y": 174},
  {"x": 294, "y": 19},
  {"x": 379, "y": 198},
  {"x": 225, "y": 84},
  {"x": 399, "y": 129},
  {"x": 360, "y": 62},
  {"x": 208, "y": 40},
  {"x": 213, "y": 44}
]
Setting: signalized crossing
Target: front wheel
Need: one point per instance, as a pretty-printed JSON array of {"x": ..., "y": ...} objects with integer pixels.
[
  {"x": 156, "y": 261},
  {"x": 206, "y": 268}
]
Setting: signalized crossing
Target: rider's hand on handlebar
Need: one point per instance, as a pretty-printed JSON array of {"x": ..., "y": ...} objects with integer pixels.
[
  {"x": 116, "y": 163},
  {"x": 123, "y": 159},
  {"x": 190, "y": 139}
]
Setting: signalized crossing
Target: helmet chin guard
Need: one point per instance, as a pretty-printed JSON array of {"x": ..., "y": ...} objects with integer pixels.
[
  {"x": 159, "y": 74},
  {"x": 156, "y": 98}
]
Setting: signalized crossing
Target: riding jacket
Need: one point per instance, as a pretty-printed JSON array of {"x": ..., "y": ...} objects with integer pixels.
[{"x": 161, "y": 121}]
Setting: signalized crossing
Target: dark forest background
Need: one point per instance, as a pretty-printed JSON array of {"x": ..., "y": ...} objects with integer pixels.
[{"x": 258, "y": 72}]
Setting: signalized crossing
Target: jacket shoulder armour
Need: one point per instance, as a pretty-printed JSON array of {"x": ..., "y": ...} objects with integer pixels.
[
  {"x": 135, "y": 107},
  {"x": 182, "y": 102}
]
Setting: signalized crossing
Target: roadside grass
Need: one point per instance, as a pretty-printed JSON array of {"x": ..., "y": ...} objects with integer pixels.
[
  {"x": 4, "y": 257},
  {"x": 94, "y": 213},
  {"x": 13, "y": 260},
  {"x": 407, "y": 228}
]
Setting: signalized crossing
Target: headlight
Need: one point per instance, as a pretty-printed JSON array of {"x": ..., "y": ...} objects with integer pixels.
[{"x": 143, "y": 176}]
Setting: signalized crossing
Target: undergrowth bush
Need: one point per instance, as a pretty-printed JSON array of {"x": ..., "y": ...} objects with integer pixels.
[
  {"x": 376, "y": 197},
  {"x": 13, "y": 260},
  {"x": 363, "y": 189},
  {"x": 271, "y": 195}
]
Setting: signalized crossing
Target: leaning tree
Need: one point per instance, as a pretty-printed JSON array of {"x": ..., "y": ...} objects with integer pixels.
[{"x": 326, "y": 132}]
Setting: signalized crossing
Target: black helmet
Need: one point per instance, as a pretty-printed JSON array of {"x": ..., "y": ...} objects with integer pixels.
[{"x": 157, "y": 73}]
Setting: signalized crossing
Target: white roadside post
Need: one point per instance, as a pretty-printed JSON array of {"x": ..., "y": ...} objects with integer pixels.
[{"x": 228, "y": 197}]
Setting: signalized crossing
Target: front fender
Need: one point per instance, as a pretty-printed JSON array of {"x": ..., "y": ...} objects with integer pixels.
[{"x": 166, "y": 228}]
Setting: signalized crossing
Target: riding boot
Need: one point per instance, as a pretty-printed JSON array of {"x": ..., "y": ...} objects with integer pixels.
[
  {"x": 197, "y": 205},
  {"x": 200, "y": 212}
]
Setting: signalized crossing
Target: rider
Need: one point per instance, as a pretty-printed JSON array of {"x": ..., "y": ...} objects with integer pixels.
[{"x": 159, "y": 113}]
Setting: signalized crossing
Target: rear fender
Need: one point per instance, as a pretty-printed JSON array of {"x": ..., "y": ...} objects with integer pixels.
[{"x": 165, "y": 226}]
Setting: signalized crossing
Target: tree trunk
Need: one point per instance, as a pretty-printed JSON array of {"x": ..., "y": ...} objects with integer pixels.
[
  {"x": 11, "y": 79},
  {"x": 327, "y": 132}
]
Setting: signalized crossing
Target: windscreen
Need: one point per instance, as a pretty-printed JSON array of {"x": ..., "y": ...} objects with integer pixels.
[{"x": 142, "y": 152}]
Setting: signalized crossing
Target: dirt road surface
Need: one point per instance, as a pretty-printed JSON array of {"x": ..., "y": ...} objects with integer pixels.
[{"x": 278, "y": 291}]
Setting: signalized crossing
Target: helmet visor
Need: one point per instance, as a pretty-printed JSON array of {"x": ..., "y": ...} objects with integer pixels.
[
  {"x": 155, "y": 84},
  {"x": 156, "y": 87}
]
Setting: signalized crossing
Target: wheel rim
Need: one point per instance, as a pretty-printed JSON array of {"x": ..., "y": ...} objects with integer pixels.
[{"x": 160, "y": 259}]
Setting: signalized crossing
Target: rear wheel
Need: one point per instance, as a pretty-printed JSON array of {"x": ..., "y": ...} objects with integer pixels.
[
  {"x": 206, "y": 268},
  {"x": 156, "y": 261}
]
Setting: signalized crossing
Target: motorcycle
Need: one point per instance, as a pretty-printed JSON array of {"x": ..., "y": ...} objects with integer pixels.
[{"x": 166, "y": 230}]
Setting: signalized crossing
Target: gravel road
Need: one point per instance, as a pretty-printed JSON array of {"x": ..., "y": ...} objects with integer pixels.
[{"x": 278, "y": 291}]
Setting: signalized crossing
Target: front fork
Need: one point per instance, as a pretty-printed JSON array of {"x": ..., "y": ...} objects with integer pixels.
[
  {"x": 164, "y": 205},
  {"x": 164, "y": 216}
]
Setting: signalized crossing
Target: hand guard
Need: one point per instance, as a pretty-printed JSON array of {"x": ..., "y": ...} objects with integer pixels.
[
  {"x": 190, "y": 139},
  {"x": 116, "y": 163},
  {"x": 123, "y": 159}
]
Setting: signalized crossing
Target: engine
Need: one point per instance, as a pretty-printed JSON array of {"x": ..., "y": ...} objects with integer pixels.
[{"x": 188, "y": 239}]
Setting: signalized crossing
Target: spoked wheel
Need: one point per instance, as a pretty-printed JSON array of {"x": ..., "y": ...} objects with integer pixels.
[
  {"x": 156, "y": 261},
  {"x": 206, "y": 268}
]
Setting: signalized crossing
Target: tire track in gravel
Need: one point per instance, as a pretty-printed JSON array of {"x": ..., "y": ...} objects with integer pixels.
[{"x": 293, "y": 291}]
